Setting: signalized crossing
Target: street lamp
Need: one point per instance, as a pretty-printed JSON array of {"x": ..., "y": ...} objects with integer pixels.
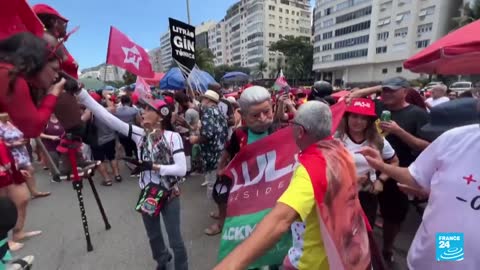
[{"x": 188, "y": 11}]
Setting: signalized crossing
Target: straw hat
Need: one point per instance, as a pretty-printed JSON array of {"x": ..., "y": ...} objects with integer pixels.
[{"x": 212, "y": 95}]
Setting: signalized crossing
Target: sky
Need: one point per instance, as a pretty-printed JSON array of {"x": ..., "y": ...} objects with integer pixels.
[{"x": 142, "y": 20}]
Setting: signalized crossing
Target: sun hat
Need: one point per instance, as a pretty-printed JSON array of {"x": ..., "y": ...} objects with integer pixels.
[
  {"x": 396, "y": 83},
  {"x": 449, "y": 115},
  {"x": 158, "y": 105},
  {"x": 362, "y": 106},
  {"x": 46, "y": 9},
  {"x": 212, "y": 95}
]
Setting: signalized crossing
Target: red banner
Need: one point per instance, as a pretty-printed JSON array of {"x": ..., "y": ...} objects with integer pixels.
[{"x": 126, "y": 54}]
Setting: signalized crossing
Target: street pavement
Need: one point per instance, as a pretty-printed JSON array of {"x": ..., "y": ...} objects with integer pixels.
[{"x": 62, "y": 244}]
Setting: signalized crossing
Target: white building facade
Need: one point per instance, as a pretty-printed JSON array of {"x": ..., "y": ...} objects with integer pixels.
[
  {"x": 156, "y": 59},
  {"x": 244, "y": 36},
  {"x": 368, "y": 40},
  {"x": 166, "y": 58}
]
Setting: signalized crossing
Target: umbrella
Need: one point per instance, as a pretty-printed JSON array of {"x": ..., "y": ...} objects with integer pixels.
[
  {"x": 455, "y": 53},
  {"x": 155, "y": 80},
  {"x": 174, "y": 80},
  {"x": 235, "y": 76}
]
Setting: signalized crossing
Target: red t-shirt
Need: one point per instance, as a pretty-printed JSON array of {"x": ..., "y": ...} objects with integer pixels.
[{"x": 19, "y": 105}]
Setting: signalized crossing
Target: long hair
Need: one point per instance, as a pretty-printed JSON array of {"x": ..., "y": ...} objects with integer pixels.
[
  {"x": 28, "y": 54},
  {"x": 414, "y": 98},
  {"x": 372, "y": 136}
]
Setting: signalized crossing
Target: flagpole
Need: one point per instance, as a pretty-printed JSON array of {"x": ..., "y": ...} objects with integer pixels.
[
  {"x": 188, "y": 11},
  {"x": 108, "y": 52}
]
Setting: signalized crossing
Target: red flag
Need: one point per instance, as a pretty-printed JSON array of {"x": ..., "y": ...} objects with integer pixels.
[
  {"x": 126, "y": 54},
  {"x": 142, "y": 89},
  {"x": 16, "y": 16}
]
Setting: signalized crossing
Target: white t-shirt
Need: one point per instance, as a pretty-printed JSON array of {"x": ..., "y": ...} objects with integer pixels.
[
  {"x": 449, "y": 169},
  {"x": 360, "y": 162},
  {"x": 434, "y": 102}
]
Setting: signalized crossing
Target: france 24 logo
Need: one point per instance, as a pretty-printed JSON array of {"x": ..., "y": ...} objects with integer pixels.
[{"x": 449, "y": 247}]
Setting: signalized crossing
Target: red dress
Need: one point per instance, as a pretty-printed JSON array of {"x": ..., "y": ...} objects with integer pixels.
[
  {"x": 5, "y": 164},
  {"x": 18, "y": 104}
]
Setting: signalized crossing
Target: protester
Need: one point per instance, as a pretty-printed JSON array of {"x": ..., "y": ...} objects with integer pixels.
[
  {"x": 439, "y": 92},
  {"x": 321, "y": 91},
  {"x": 403, "y": 133},
  {"x": 130, "y": 115},
  {"x": 212, "y": 137},
  {"x": 256, "y": 110},
  {"x": 447, "y": 170},
  {"x": 26, "y": 60},
  {"x": 15, "y": 141},
  {"x": 161, "y": 165},
  {"x": 356, "y": 130},
  {"x": 51, "y": 138},
  {"x": 452, "y": 95},
  {"x": 311, "y": 124}
]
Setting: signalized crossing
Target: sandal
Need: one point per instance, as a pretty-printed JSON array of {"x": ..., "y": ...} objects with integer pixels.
[
  {"x": 21, "y": 264},
  {"x": 40, "y": 195},
  {"x": 214, "y": 215},
  {"x": 214, "y": 229},
  {"x": 107, "y": 183},
  {"x": 118, "y": 178}
]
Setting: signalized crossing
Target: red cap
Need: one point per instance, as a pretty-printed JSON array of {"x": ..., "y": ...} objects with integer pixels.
[
  {"x": 46, "y": 9},
  {"x": 96, "y": 96},
  {"x": 160, "y": 106},
  {"x": 362, "y": 106}
]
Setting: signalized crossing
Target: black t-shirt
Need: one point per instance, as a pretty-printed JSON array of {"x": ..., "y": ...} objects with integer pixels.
[{"x": 411, "y": 119}]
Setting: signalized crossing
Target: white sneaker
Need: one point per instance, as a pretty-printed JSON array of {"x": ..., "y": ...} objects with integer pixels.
[{"x": 204, "y": 183}]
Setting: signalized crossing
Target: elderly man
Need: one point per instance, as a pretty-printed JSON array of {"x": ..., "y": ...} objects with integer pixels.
[
  {"x": 403, "y": 133},
  {"x": 256, "y": 110},
  {"x": 311, "y": 124},
  {"x": 438, "y": 96}
]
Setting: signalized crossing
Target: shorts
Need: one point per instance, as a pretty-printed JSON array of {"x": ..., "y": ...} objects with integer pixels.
[
  {"x": 393, "y": 203},
  {"x": 5, "y": 180},
  {"x": 104, "y": 152}
]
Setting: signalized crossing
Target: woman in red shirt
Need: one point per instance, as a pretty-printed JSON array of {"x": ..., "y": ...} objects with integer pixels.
[{"x": 28, "y": 61}]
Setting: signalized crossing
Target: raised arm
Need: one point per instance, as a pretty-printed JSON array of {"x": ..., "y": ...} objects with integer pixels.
[{"x": 109, "y": 119}]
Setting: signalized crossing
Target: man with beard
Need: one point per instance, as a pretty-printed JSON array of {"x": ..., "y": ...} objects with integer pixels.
[{"x": 256, "y": 110}]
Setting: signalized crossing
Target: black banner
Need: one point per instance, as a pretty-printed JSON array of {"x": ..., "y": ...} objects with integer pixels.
[{"x": 182, "y": 40}]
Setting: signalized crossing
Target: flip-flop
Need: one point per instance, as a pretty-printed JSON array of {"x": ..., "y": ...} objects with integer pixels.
[
  {"x": 20, "y": 264},
  {"x": 41, "y": 195},
  {"x": 214, "y": 229},
  {"x": 107, "y": 183},
  {"x": 15, "y": 246},
  {"x": 214, "y": 215}
]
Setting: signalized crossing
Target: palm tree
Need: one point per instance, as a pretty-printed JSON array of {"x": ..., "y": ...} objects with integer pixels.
[
  {"x": 468, "y": 13},
  {"x": 261, "y": 68}
]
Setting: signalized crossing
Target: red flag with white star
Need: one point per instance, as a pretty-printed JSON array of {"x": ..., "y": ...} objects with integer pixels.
[{"x": 126, "y": 54}]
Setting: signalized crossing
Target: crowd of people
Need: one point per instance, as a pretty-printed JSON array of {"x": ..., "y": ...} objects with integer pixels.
[{"x": 406, "y": 149}]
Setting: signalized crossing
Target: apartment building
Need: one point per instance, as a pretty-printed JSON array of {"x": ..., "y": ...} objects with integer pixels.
[
  {"x": 166, "y": 59},
  {"x": 368, "y": 40},
  {"x": 156, "y": 59},
  {"x": 201, "y": 34},
  {"x": 244, "y": 35}
]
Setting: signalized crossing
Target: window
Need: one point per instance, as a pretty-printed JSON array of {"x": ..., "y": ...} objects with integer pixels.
[
  {"x": 343, "y": 5},
  {"x": 286, "y": 11},
  {"x": 280, "y": 27},
  {"x": 399, "y": 47},
  {"x": 328, "y": 23},
  {"x": 382, "y": 49},
  {"x": 399, "y": 69},
  {"x": 352, "y": 28},
  {"x": 401, "y": 32},
  {"x": 350, "y": 54},
  {"x": 271, "y": 8},
  {"x": 402, "y": 17},
  {"x": 382, "y": 36},
  {"x": 317, "y": 38},
  {"x": 327, "y": 47},
  {"x": 280, "y": 36},
  {"x": 280, "y": 9},
  {"x": 384, "y": 71},
  {"x": 327, "y": 11},
  {"x": 327, "y": 35},
  {"x": 272, "y": 35},
  {"x": 286, "y": 21},
  {"x": 351, "y": 42},
  {"x": 386, "y": 5},
  {"x": 281, "y": 19},
  {"x": 271, "y": 17},
  {"x": 354, "y": 15},
  {"x": 383, "y": 21},
  {"x": 426, "y": 11},
  {"x": 327, "y": 58},
  {"x": 424, "y": 28},
  {"x": 272, "y": 25},
  {"x": 316, "y": 49},
  {"x": 423, "y": 43},
  {"x": 286, "y": 28}
]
